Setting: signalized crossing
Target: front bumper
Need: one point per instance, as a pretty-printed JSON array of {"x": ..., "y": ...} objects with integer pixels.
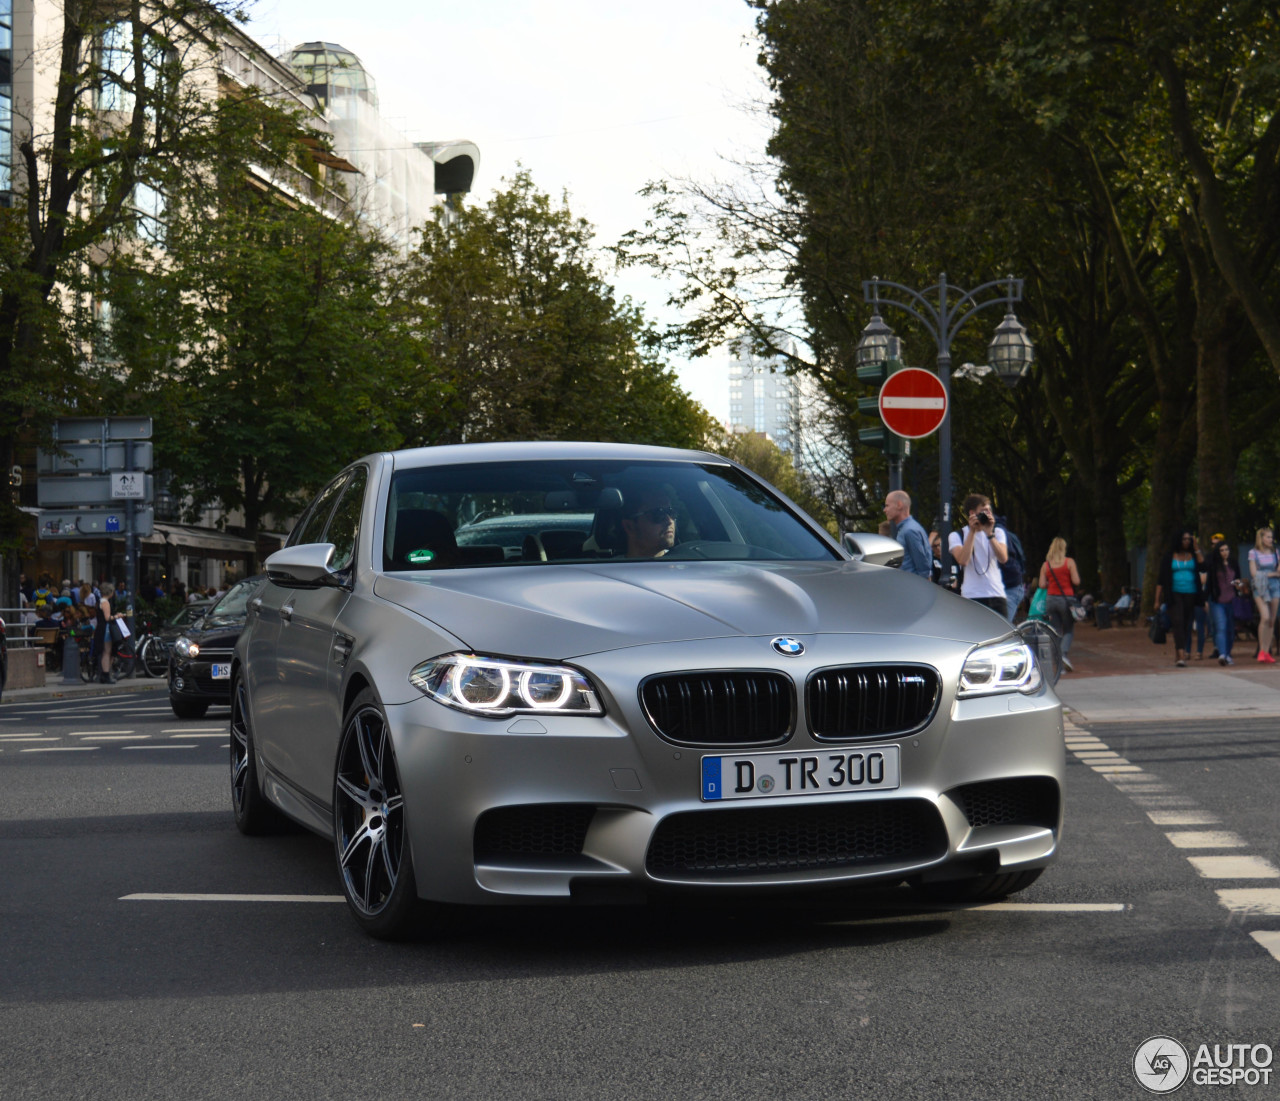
[
  {"x": 551, "y": 807},
  {"x": 193, "y": 680}
]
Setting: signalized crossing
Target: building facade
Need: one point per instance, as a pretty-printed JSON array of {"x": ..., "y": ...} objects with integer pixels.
[{"x": 764, "y": 399}]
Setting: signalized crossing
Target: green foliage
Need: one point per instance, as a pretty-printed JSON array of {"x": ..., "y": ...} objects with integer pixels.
[
  {"x": 265, "y": 337},
  {"x": 527, "y": 340}
]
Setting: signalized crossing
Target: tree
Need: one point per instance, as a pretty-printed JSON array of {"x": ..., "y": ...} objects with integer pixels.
[
  {"x": 527, "y": 340},
  {"x": 128, "y": 103},
  {"x": 269, "y": 334}
]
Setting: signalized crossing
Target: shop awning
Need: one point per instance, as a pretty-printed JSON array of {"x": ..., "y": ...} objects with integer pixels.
[{"x": 202, "y": 539}]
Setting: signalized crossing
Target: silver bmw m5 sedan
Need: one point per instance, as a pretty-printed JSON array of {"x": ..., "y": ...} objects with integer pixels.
[{"x": 659, "y": 677}]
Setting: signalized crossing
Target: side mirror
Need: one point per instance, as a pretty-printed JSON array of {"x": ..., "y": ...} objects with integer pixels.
[
  {"x": 305, "y": 566},
  {"x": 877, "y": 550}
]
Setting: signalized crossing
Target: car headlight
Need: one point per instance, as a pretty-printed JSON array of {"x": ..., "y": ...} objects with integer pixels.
[
  {"x": 1008, "y": 666},
  {"x": 185, "y": 648},
  {"x": 497, "y": 686}
]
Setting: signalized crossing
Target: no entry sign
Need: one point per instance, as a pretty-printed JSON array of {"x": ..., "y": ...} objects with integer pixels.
[{"x": 913, "y": 403}]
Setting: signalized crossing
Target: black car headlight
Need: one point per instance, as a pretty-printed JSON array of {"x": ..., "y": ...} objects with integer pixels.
[
  {"x": 1008, "y": 666},
  {"x": 185, "y": 648},
  {"x": 498, "y": 686}
]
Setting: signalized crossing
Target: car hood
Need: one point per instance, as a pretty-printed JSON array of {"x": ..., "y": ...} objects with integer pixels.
[{"x": 573, "y": 610}]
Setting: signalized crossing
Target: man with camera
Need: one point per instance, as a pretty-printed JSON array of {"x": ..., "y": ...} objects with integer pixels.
[{"x": 981, "y": 549}]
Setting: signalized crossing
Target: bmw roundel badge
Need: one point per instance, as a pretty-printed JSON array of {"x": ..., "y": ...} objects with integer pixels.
[{"x": 791, "y": 647}]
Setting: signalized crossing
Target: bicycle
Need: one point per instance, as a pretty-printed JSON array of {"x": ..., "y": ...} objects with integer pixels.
[
  {"x": 1046, "y": 644},
  {"x": 153, "y": 654}
]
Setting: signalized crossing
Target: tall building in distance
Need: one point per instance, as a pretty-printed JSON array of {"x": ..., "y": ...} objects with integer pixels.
[{"x": 763, "y": 398}]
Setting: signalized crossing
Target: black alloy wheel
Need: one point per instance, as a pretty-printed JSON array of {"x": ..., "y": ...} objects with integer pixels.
[{"x": 370, "y": 840}]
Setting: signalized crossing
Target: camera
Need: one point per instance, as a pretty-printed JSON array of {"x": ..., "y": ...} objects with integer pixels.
[{"x": 984, "y": 518}]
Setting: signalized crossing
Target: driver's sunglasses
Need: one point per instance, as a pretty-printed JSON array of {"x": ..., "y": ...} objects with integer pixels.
[{"x": 655, "y": 515}]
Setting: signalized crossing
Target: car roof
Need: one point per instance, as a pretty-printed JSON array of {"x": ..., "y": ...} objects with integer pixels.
[{"x": 451, "y": 454}]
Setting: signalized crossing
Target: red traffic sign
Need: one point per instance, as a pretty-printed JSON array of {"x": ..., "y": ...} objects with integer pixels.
[{"x": 913, "y": 403}]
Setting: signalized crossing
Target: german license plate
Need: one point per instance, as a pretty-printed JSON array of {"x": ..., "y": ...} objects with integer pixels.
[
  {"x": 826, "y": 773},
  {"x": 221, "y": 672}
]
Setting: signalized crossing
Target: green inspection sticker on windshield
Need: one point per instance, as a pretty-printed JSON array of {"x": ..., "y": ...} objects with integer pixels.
[{"x": 420, "y": 557}]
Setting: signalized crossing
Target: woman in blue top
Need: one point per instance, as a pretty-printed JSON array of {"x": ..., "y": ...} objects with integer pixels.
[{"x": 1180, "y": 587}]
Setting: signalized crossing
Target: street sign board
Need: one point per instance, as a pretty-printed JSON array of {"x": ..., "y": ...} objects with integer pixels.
[
  {"x": 93, "y": 458},
  {"x": 102, "y": 428},
  {"x": 913, "y": 403},
  {"x": 93, "y": 523},
  {"x": 92, "y": 489},
  {"x": 128, "y": 485}
]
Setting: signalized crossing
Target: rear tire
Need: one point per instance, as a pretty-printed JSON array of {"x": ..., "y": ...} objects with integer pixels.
[
  {"x": 188, "y": 709},
  {"x": 254, "y": 813},
  {"x": 980, "y": 888}
]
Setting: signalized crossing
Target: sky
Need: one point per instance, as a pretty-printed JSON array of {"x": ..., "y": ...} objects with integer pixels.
[{"x": 593, "y": 97}]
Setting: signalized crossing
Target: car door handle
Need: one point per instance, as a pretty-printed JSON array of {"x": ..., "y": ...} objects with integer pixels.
[
  {"x": 286, "y": 612},
  {"x": 256, "y": 604}
]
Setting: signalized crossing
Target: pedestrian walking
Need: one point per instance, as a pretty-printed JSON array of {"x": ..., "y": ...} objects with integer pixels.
[
  {"x": 1179, "y": 585},
  {"x": 906, "y": 529},
  {"x": 1264, "y": 573},
  {"x": 1222, "y": 584},
  {"x": 980, "y": 550},
  {"x": 1060, "y": 579}
]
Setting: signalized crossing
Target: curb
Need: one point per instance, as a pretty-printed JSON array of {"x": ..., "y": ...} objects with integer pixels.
[{"x": 69, "y": 691}]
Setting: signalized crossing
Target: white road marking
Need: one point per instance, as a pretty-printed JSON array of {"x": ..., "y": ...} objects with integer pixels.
[
  {"x": 1205, "y": 839},
  {"x": 1263, "y": 901},
  {"x": 1116, "y": 768},
  {"x": 1055, "y": 907},
  {"x": 114, "y": 737},
  {"x": 194, "y": 730},
  {"x": 31, "y": 738},
  {"x": 157, "y": 747},
  {"x": 1269, "y": 940},
  {"x": 62, "y": 749},
  {"x": 82, "y": 733},
  {"x": 1183, "y": 818},
  {"x": 199, "y": 735},
  {"x": 1234, "y": 867},
  {"x": 229, "y": 898}
]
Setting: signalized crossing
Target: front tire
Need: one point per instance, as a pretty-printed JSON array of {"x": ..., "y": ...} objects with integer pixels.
[
  {"x": 254, "y": 814},
  {"x": 370, "y": 840},
  {"x": 188, "y": 709}
]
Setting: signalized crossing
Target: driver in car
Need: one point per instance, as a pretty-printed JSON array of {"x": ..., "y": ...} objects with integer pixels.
[{"x": 650, "y": 527}]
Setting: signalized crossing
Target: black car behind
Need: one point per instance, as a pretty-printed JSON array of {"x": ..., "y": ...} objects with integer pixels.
[{"x": 200, "y": 659}]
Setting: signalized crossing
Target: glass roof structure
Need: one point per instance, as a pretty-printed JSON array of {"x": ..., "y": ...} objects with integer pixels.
[{"x": 331, "y": 72}]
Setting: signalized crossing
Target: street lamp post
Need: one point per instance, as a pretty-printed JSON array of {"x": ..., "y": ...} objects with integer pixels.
[{"x": 944, "y": 310}]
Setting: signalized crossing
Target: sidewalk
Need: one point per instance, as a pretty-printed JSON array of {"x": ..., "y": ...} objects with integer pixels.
[
  {"x": 1121, "y": 675},
  {"x": 54, "y": 689}
]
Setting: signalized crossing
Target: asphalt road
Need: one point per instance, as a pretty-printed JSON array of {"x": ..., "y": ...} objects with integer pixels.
[{"x": 102, "y": 996}]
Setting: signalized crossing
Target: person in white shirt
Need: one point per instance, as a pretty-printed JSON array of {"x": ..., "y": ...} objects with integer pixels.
[{"x": 980, "y": 550}]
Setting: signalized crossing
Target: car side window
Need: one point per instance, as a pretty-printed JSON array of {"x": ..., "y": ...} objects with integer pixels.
[
  {"x": 313, "y": 525},
  {"x": 344, "y": 527}
]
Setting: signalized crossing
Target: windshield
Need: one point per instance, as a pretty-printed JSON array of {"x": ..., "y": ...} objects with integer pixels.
[
  {"x": 234, "y": 604},
  {"x": 556, "y": 511}
]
